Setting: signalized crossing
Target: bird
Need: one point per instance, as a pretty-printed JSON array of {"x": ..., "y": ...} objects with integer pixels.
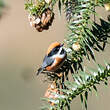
[{"x": 54, "y": 58}]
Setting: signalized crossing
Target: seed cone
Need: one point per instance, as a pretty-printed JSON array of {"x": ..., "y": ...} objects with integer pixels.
[
  {"x": 42, "y": 22},
  {"x": 51, "y": 89},
  {"x": 52, "y": 92}
]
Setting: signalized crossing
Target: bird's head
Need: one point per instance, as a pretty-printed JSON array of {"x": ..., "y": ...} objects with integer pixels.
[{"x": 56, "y": 50}]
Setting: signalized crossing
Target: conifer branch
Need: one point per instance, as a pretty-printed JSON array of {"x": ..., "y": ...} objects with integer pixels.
[
  {"x": 83, "y": 30},
  {"x": 82, "y": 85},
  {"x": 84, "y": 36}
]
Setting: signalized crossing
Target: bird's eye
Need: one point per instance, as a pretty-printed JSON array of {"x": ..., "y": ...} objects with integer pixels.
[{"x": 56, "y": 49}]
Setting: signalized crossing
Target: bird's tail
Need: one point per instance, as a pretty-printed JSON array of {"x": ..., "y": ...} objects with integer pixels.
[{"x": 39, "y": 71}]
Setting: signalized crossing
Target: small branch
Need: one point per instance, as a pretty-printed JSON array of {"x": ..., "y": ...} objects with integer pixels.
[{"x": 84, "y": 83}]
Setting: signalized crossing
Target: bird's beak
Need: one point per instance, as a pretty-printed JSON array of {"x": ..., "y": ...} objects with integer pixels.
[{"x": 61, "y": 45}]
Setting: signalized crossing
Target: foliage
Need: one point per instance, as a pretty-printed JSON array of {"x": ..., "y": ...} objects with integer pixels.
[
  {"x": 38, "y": 6},
  {"x": 84, "y": 36},
  {"x": 83, "y": 29},
  {"x": 83, "y": 84},
  {"x": 90, "y": 36}
]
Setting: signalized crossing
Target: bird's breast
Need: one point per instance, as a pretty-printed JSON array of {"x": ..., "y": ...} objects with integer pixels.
[{"x": 56, "y": 64}]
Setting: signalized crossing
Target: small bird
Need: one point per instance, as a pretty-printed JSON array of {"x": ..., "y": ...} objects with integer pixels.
[{"x": 54, "y": 58}]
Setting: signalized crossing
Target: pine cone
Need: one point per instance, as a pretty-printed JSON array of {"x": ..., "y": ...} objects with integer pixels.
[
  {"x": 51, "y": 89},
  {"x": 52, "y": 92},
  {"x": 42, "y": 22}
]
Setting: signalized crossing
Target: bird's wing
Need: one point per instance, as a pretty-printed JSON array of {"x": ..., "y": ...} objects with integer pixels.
[{"x": 47, "y": 61}]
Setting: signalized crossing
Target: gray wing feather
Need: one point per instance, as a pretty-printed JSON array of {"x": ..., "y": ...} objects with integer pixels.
[{"x": 47, "y": 61}]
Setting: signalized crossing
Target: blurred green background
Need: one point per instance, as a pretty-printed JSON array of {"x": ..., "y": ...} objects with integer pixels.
[{"x": 22, "y": 49}]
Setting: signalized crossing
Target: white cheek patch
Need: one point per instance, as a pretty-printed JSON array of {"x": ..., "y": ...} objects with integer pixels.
[{"x": 58, "y": 54}]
